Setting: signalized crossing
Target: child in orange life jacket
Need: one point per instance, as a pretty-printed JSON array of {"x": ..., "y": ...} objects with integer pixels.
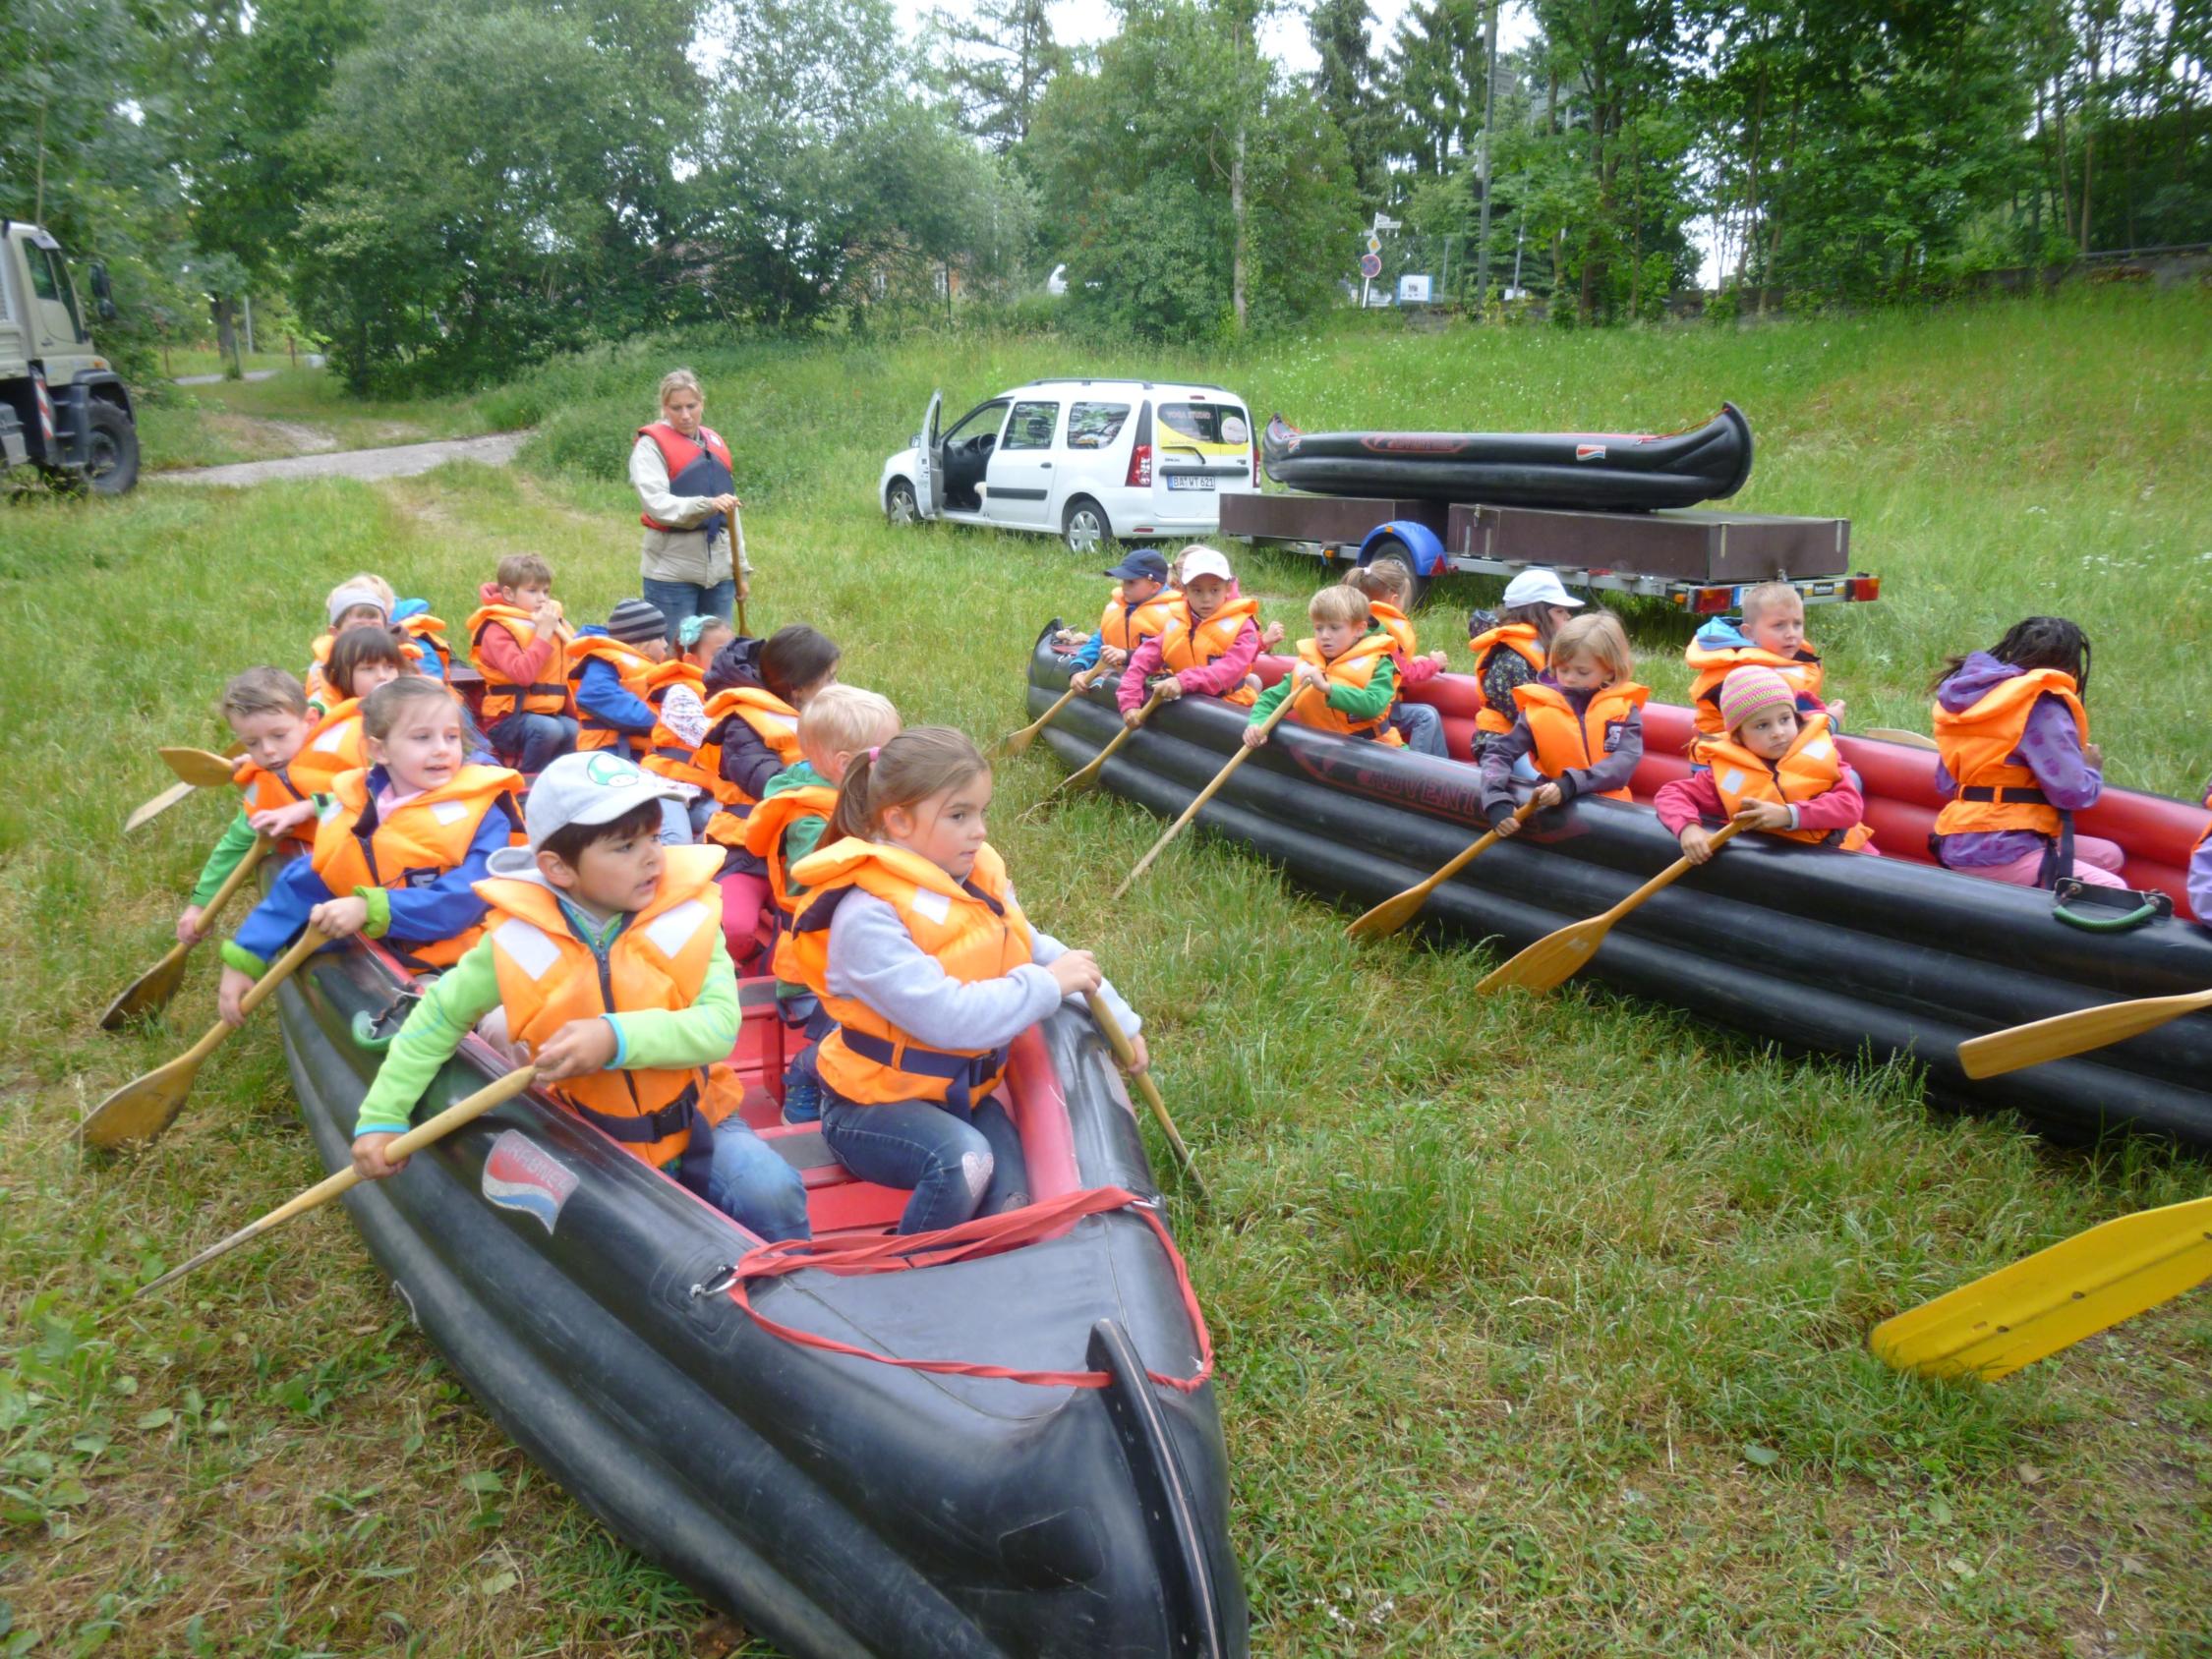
[
  {"x": 1208, "y": 640},
  {"x": 1389, "y": 585},
  {"x": 1775, "y": 769},
  {"x": 1346, "y": 678},
  {"x": 840, "y": 722},
  {"x": 1581, "y": 724},
  {"x": 267, "y": 712},
  {"x": 361, "y": 601},
  {"x": 676, "y": 692},
  {"x": 912, "y": 936},
  {"x": 517, "y": 634},
  {"x": 1511, "y": 647},
  {"x": 608, "y": 669},
  {"x": 1136, "y": 611},
  {"x": 1772, "y": 635},
  {"x": 397, "y": 852},
  {"x": 2012, "y": 733},
  {"x": 363, "y": 659},
  {"x": 604, "y": 954}
]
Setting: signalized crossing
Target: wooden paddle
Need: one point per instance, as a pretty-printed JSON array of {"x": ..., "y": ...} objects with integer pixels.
[
  {"x": 347, "y": 1178},
  {"x": 1077, "y": 782},
  {"x": 1244, "y": 752},
  {"x": 2054, "y": 1299},
  {"x": 153, "y": 808},
  {"x": 200, "y": 769},
  {"x": 150, "y": 991},
  {"x": 2077, "y": 1033},
  {"x": 1897, "y": 734},
  {"x": 1013, "y": 742},
  {"x": 1124, "y": 1051},
  {"x": 1557, "y": 957},
  {"x": 1392, "y": 914},
  {"x": 140, "y": 1110}
]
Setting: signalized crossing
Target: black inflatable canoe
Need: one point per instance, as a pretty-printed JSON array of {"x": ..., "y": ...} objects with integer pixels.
[
  {"x": 1599, "y": 472},
  {"x": 838, "y": 1505},
  {"x": 1813, "y": 950}
]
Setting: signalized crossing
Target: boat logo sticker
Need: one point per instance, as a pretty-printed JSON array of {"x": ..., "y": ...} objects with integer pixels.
[
  {"x": 1590, "y": 452},
  {"x": 521, "y": 1176}
]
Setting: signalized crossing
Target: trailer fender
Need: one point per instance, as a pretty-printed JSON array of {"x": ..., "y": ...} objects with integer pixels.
[{"x": 1419, "y": 540}]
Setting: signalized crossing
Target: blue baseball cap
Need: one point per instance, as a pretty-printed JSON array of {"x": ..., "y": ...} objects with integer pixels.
[{"x": 1143, "y": 563}]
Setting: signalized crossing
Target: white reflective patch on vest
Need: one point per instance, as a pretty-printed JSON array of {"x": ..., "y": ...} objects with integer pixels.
[
  {"x": 449, "y": 812},
  {"x": 1818, "y": 750},
  {"x": 672, "y": 930},
  {"x": 933, "y": 905},
  {"x": 332, "y": 739},
  {"x": 1731, "y": 784},
  {"x": 526, "y": 946}
]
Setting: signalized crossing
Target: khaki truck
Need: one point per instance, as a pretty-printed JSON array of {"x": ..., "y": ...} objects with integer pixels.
[{"x": 64, "y": 411}]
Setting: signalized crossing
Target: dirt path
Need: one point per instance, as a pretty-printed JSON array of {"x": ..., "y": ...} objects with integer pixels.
[{"x": 402, "y": 460}]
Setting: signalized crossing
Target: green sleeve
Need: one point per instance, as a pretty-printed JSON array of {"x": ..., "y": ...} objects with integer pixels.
[
  {"x": 1370, "y": 702},
  {"x": 1271, "y": 697},
  {"x": 224, "y": 859},
  {"x": 802, "y": 838},
  {"x": 670, "y": 1039},
  {"x": 448, "y": 1012}
]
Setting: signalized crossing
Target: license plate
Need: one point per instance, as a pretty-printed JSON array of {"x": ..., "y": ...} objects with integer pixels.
[{"x": 1189, "y": 480}]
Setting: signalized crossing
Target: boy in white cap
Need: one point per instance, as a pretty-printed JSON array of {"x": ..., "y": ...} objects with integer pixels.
[
  {"x": 1209, "y": 635},
  {"x": 603, "y": 950},
  {"x": 1512, "y": 645}
]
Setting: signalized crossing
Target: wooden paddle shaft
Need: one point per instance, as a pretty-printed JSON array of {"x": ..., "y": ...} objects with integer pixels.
[
  {"x": 1672, "y": 874},
  {"x": 413, "y": 1141},
  {"x": 1128, "y": 731},
  {"x": 1124, "y": 1051},
  {"x": 1244, "y": 752},
  {"x": 306, "y": 945},
  {"x": 152, "y": 988},
  {"x": 253, "y": 856},
  {"x": 1393, "y": 913}
]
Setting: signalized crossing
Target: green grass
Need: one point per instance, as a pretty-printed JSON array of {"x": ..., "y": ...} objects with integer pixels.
[
  {"x": 295, "y": 411},
  {"x": 207, "y": 359},
  {"x": 1542, "y": 1324}
]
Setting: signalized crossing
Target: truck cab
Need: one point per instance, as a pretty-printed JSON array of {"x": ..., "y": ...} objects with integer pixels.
[{"x": 64, "y": 411}]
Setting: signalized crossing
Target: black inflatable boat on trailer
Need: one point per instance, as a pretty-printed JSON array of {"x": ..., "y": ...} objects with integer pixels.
[
  {"x": 849, "y": 1461},
  {"x": 1599, "y": 472},
  {"x": 1812, "y": 949}
]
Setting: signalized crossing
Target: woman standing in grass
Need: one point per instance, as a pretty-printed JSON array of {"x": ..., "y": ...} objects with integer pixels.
[{"x": 681, "y": 472}]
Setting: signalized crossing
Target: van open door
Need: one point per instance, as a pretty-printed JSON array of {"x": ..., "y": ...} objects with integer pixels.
[{"x": 929, "y": 459}]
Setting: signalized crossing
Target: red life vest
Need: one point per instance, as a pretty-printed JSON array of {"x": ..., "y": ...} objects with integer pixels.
[
  {"x": 1185, "y": 643},
  {"x": 698, "y": 466},
  {"x": 1808, "y": 769},
  {"x": 775, "y": 722},
  {"x": 1564, "y": 743},
  {"x": 1517, "y": 637},
  {"x": 631, "y": 667},
  {"x": 422, "y": 839},
  {"x": 1355, "y": 669},
  {"x": 548, "y": 696},
  {"x": 1975, "y": 743}
]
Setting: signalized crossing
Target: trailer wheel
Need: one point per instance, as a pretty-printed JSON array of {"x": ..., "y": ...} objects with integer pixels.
[
  {"x": 112, "y": 449},
  {"x": 1390, "y": 547}
]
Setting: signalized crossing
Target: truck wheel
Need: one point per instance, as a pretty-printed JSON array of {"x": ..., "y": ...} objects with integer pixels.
[
  {"x": 898, "y": 504},
  {"x": 1390, "y": 547},
  {"x": 1083, "y": 527},
  {"x": 112, "y": 449}
]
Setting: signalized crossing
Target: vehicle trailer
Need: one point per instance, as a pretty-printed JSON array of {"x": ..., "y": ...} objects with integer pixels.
[
  {"x": 64, "y": 411},
  {"x": 1695, "y": 558}
]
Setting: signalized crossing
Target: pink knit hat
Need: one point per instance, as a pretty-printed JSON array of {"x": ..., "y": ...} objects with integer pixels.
[{"x": 1748, "y": 690}]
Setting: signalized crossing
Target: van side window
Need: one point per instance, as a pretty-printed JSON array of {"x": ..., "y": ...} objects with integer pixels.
[
  {"x": 1031, "y": 428},
  {"x": 1095, "y": 425}
]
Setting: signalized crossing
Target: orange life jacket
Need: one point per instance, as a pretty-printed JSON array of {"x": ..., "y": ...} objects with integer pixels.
[
  {"x": 1565, "y": 744},
  {"x": 1809, "y": 767},
  {"x": 1518, "y": 637},
  {"x": 547, "y": 977},
  {"x": 1355, "y": 669},
  {"x": 1974, "y": 743},
  {"x": 1124, "y": 629},
  {"x": 776, "y": 724},
  {"x": 592, "y": 732},
  {"x": 764, "y": 839},
  {"x": 423, "y": 840},
  {"x": 1398, "y": 626},
  {"x": 267, "y": 790},
  {"x": 668, "y": 754},
  {"x": 429, "y": 634},
  {"x": 680, "y": 455},
  {"x": 333, "y": 748},
  {"x": 548, "y": 696},
  {"x": 1185, "y": 643},
  {"x": 1802, "y": 675},
  {"x": 974, "y": 928}
]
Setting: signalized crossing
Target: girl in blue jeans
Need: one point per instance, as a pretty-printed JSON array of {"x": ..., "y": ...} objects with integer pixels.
[{"x": 911, "y": 938}]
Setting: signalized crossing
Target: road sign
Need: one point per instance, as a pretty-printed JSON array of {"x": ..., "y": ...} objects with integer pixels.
[
  {"x": 1370, "y": 265},
  {"x": 1374, "y": 243},
  {"x": 1413, "y": 289}
]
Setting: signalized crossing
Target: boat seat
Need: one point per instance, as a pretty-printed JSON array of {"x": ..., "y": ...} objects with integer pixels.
[{"x": 836, "y": 1200}]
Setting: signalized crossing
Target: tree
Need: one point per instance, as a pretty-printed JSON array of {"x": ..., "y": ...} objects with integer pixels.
[
  {"x": 1436, "y": 73},
  {"x": 995, "y": 63},
  {"x": 1346, "y": 84}
]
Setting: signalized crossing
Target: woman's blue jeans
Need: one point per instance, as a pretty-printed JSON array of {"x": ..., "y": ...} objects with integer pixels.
[
  {"x": 958, "y": 1165},
  {"x": 678, "y": 600}
]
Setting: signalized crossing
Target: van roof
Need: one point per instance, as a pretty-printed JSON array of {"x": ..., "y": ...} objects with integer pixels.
[{"x": 1174, "y": 388}]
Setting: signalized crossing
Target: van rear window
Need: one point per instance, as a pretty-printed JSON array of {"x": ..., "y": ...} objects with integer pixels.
[
  {"x": 1095, "y": 425},
  {"x": 1206, "y": 423}
]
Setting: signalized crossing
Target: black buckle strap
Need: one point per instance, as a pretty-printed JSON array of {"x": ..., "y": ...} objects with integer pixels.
[
  {"x": 964, "y": 1073},
  {"x": 2004, "y": 796},
  {"x": 645, "y": 1127}
]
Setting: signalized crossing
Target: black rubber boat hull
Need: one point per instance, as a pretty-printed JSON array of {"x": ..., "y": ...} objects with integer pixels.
[
  {"x": 1598, "y": 471},
  {"x": 1809, "y": 949},
  {"x": 836, "y": 1506}
]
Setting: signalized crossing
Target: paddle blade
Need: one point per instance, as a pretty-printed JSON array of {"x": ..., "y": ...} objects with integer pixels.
[
  {"x": 1014, "y": 742},
  {"x": 1552, "y": 960},
  {"x": 199, "y": 768},
  {"x": 1391, "y": 915},
  {"x": 142, "y": 1110},
  {"x": 2077, "y": 1033},
  {"x": 2054, "y": 1299},
  {"x": 151, "y": 810},
  {"x": 1896, "y": 734},
  {"x": 150, "y": 991}
]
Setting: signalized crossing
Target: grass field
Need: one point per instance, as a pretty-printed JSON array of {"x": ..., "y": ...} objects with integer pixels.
[
  {"x": 295, "y": 411},
  {"x": 1542, "y": 1324}
]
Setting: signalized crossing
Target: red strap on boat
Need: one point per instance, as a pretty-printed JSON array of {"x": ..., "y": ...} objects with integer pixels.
[{"x": 896, "y": 1253}]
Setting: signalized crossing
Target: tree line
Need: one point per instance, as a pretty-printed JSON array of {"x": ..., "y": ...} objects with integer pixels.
[{"x": 444, "y": 188}]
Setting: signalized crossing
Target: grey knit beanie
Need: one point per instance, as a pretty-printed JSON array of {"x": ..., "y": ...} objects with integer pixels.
[{"x": 634, "y": 621}]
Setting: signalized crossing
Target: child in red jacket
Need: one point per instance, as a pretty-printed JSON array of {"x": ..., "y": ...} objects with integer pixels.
[{"x": 1777, "y": 768}]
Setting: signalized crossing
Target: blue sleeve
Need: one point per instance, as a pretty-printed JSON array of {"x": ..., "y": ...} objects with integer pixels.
[
  {"x": 600, "y": 692},
  {"x": 277, "y": 920},
  {"x": 449, "y": 906},
  {"x": 1086, "y": 653}
]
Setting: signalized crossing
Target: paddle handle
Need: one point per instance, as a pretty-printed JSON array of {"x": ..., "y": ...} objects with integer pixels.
[
  {"x": 1124, "y": 1051},
  {"x": 413, "y": 1141},
  {"x": 1670, "y": 874},
  {"x": 1244, "y": 752},
  {"x": 234, "y": 880}
]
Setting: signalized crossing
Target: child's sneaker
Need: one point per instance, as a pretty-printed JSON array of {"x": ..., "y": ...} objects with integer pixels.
[{"x": 802, "y": 1098}]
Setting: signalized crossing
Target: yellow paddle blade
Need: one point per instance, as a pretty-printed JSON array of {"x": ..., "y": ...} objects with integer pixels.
[
  {"x": 150, "y": 991},
  {"x": 1896, "y": 734},
  {"x": 154, "y": 807},
  {"x": 140, "y": 1110},
  {"x": 1391, "y": 915},
  {"x": 2072, "y": 1034},
  {"x": 1552, "y": 960},
  {"x": 2054, "y": 1299},
  {"x": 199, "y": 768}
]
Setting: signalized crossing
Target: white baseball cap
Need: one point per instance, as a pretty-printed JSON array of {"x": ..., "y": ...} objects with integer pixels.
[
  {"x": 1538, "y": 586},
  {"x": 1205, "y": 561},
  {"x": 588, "y": 788}
]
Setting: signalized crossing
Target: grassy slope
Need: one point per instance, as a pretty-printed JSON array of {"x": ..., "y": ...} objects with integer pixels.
[
  {"x": 1540, "y": 1323},
  {"x": 295, "y": 411}
]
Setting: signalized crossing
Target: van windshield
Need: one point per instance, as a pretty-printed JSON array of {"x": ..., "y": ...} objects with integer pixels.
[{"x": 1212, "y": 427}]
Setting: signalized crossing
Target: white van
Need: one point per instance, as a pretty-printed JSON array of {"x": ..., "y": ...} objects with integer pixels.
[{"x": 1089, "y": 461}]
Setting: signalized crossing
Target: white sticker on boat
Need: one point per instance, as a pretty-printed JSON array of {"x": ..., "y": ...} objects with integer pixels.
[
  {"x": 933, "y": 905},
  {"x": 449, "y": 812},
  {"x": 522, "y": 1176},
  {"x": 670, "y": 930},
  {"x": 1590, "y": 452},
  {"x": 1732, "y": 783},
  {"x": 526, "y": 946}
]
